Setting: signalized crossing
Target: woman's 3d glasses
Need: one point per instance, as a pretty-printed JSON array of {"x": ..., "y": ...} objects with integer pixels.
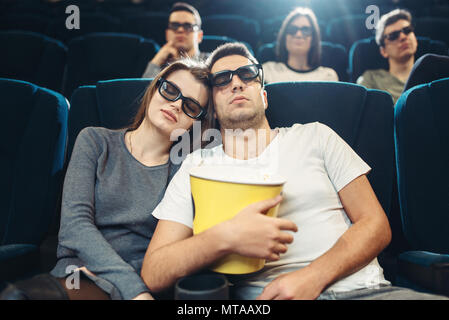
[{"x": 171, "y": 92}]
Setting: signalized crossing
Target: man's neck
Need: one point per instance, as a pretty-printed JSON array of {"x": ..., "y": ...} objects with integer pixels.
[
  {"x": 192, "y": 53},
  {"x": 401, "y": 69},
  {"x": 247, "y": 144}
]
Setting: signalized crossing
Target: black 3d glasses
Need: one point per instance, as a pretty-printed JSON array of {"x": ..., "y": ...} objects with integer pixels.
[{"x": 245, "y": 73}]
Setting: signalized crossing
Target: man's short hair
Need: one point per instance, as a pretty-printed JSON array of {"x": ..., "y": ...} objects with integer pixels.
[
  {"x": 388, "y": 19},
  {"x": 182, "y": 6},
  {"x": 229, "y": 49}
]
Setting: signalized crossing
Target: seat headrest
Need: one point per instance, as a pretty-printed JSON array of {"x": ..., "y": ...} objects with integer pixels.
[{"x": 119, "y": 100}]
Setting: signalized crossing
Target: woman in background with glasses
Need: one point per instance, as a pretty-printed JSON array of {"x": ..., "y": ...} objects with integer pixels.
[
  {"x": 298, "y": 51},
  {"x": 114, "y": 180}
]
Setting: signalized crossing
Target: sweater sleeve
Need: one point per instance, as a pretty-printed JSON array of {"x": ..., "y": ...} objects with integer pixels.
[{"x": 78, "y": 231}]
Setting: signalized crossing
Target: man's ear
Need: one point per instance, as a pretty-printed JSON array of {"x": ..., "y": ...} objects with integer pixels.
[
  {"x": 200, "y": 36},
  {"x": 383, "y": 52},
  {"x": 264, "y": 96}
]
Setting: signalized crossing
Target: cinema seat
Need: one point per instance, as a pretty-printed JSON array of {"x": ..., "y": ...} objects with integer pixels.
[
  {"x": 150, "y": 25},
  {"x": 24, "y": 21},
  {"x": 428, "y": 68},
  {"x": 33, "y": 57},
  {"x": 348, "y": 29},
  {"x": 433, "y": 27},
  {"x": 110, "y": 104},
  {"x": 89, "y": 23},
  {"x": 106, "y": 56},
  {"x": 422, "y": 155},
  {"x": 33, "y": 154},
  {"x": 232, "y": 26},
  {"x": 210, "y": 43}
]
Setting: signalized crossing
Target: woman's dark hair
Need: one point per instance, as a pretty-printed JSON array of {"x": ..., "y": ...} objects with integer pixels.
[
  {"x": 314, "y": 55},
  {"x": 198, "y": 70}
]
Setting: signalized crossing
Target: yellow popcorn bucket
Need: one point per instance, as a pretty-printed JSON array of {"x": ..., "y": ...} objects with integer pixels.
[{"x": 219, "y": 193}]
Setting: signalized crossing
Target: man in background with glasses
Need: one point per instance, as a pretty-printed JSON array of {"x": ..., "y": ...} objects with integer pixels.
[
  {"x": 397, "y": 43},
  {"x": 183, "y": 35}
]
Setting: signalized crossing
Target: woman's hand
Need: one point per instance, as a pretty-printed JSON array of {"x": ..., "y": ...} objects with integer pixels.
[{"x": 84, "y": 269}]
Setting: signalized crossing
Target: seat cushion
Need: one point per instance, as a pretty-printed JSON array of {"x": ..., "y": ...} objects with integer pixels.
[{"x": 18, "y": 260}]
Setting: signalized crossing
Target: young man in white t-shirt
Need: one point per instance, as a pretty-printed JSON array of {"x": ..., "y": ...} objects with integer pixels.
[{"x": 330, "y": 226}]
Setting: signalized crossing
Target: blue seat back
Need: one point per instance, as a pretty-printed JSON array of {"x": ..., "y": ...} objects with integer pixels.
[
  {"x": 32, "y": 160},
  {"x": 433, "y": 27},
  {"x": 33, "y": 57},
  {"x": 110, "y": 104},
  {"x": 422, "y": 156},
  {"x": 24, "y": 21},
  {"x": 89, "y": 23},
  {"x": 210, "y": 43},
  {"x": 232, "y": 26},
  {"x": 348, "y": 29},
  {"x": 363, "y": 118},
  {"x": 150, "y": 25},
  {"x": 106, "y": 56}
]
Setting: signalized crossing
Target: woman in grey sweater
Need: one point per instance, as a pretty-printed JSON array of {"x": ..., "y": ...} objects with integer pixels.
[
  {"x": 114, "y": 180},
  {"x": 117, "y": 177}
]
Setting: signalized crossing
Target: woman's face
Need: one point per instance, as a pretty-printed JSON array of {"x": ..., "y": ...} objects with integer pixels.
[
  {"x": 299, "y": 42},
  {"x": 167, "y": 115}
]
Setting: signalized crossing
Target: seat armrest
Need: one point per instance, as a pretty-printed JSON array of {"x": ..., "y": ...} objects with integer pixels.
[
  {"x": 426, "y": 269},
  {"x": 18, "y": 260}
]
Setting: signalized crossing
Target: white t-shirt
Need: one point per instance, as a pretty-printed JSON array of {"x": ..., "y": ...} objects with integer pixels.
[
  {"x": 280, "y": 72},
  {"x": 317, "y": 164}
]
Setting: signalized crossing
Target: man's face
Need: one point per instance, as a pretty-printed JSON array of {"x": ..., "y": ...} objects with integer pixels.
[
  {"x": 239, "y": 104},
  {"x": 183, "y": 40},
  {"x": 401, "y": 48}
]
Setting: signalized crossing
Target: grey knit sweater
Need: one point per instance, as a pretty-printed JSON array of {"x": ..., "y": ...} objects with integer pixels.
[{"x": 106, "y": 220}]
